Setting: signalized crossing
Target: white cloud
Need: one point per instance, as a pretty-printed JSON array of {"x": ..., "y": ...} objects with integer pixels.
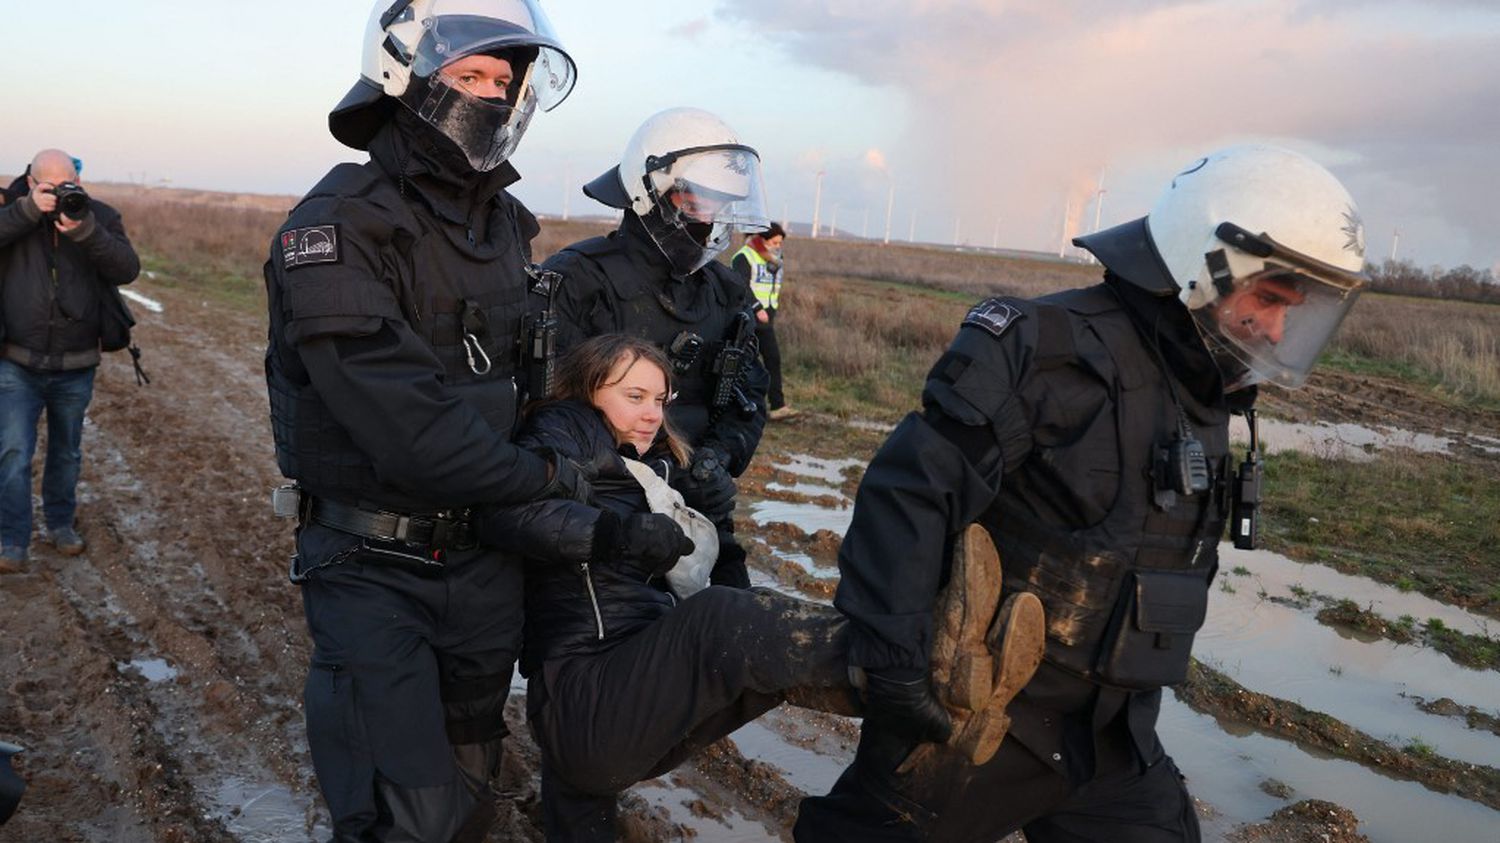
[{"x": 1017, "y": 107}]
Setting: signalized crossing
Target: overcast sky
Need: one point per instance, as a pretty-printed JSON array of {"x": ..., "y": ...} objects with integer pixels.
[{"x": 984, "y": 119}]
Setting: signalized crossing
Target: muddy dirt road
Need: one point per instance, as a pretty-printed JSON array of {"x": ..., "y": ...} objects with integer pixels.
[{"x": 155, "y": 681}]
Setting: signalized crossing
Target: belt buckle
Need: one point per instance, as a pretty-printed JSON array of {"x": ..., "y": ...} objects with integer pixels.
[{"x": 403, "y": 528}]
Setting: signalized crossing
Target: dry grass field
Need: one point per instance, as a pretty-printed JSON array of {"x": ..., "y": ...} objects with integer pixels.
[{"x": 861, "y": 321}]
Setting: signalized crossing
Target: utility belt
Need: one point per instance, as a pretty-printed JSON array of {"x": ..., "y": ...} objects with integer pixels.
[{"x": 436, "y": 531}]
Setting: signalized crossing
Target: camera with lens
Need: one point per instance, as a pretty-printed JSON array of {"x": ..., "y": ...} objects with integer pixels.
[{"x": 72, "y": 201}]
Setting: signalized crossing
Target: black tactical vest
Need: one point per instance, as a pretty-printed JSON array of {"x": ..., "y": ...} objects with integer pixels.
[
  {"x": 639, "y": 307},
  {"x": 445, "y": 292},
  {"x": 1085, "y": 522}
]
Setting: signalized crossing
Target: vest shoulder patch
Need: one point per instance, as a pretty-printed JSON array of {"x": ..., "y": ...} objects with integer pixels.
[
  {"x": 312, "y": 244},
  {"x": 993, "y": 315}
]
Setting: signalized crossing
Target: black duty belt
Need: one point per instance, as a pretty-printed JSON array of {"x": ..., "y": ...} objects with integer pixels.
[{"x": 440, "y": 531}]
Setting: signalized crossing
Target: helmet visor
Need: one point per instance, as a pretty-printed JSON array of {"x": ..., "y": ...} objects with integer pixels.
[
  {"x": 1275, "y": 310},
  {"x": 454, "y": 29},
  {"x": 701, "y": 196},
  {"x": 719, "y": 185}
]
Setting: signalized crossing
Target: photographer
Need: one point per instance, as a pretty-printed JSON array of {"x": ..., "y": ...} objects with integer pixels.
[{"x": 60, "y": 251}]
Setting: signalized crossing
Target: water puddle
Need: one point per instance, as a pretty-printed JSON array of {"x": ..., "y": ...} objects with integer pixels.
[
  {"x": 154, "y": 670},
  {"x": 678, "y": 803},
  {"x": 807, "y": 490},
  {"x": 807, "y": 564},
  {"x": 1282, "y": 650},
  {"x": 1225, "y": 765},
  {"x": 829, "y": 471},
  {"x": 150, "y": 304},
  {"x": 1276, "y": 574},
  {"x": 808, "y": 517},
  {"x": 805, "y": 769},
  {"x": 1339, "y": 441},
  {"x": 259, "y": 813}
]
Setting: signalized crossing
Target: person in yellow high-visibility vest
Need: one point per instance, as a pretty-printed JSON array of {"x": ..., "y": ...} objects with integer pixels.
[{"x": 759, "y": 263}]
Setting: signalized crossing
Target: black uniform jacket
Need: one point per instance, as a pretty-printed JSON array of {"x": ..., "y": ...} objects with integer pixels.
[
  {"x": 943, "y": 469},
  {"x": 373, "y": 401},
  {"x": 51, "y": 283},
  {"x": 579, "y": 597},
  {"x": 636, "y": 293}
]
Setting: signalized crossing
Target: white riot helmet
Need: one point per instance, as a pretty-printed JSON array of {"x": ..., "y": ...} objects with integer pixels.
[
  {"x": 1264, "y": 247},
  {"x": 691, "y": 182},
  {"x": 407, "y": 43}
]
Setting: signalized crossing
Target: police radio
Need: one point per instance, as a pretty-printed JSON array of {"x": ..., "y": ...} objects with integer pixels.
[
  {"x": 1187, "y": 466},
  {"x": 731, "y": 364},
  {"x": 541, "y": 334},
  {"x": 1182, "y": 467},
  {"x": 1244, "y": 525}
]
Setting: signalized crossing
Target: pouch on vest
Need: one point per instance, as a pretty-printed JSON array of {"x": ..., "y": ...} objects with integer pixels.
[{"x": 1151, "y": 634}]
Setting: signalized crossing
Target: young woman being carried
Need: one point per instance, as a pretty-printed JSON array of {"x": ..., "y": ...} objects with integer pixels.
[{"x": 628, "y": 679}]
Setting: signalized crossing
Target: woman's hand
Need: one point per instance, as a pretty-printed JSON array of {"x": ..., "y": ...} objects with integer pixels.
[{"x": 651, "y": 543}]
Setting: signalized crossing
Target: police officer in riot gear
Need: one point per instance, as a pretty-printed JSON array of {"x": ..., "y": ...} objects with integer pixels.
[
  {"x": 1087, "y": 432},
  {"x": 398, "y": 291},
  {"x": 685, "y": 184}
]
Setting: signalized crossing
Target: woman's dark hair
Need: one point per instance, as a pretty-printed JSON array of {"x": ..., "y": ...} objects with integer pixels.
[
  {"x": 774, "y": 231},
  {"x": 585, "y": 369}
]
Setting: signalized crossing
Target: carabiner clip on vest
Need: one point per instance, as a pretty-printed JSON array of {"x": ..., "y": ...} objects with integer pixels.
[
  {"x": 475, "y": 325},
  {"x": 471, "y": 348}
]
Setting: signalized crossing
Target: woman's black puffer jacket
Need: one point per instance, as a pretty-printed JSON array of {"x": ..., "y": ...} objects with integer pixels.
[{"x": 581, "y": 596}]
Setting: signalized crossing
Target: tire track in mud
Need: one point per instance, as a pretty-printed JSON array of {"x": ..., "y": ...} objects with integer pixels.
[
  {"x": 1337, "y": 397},
  {"x": 172, "y": 482},
  {"x": 194, "y": 459}
]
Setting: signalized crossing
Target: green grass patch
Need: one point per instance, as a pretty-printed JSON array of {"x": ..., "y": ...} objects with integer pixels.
[
  {"x": 1359, "y": 364},
  {"x": 1420, "y": 522},
  {"x": 228, "y": 286}
]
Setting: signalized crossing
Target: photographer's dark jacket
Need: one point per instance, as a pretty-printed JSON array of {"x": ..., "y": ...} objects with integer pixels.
[
  {"x": 623, "y": 283},
  {"x": 1045, "y": 422},
  {"x": 52, "y": 284},
  {"x": 371, "y": 283},
  {"x": 580, "y": 597}
]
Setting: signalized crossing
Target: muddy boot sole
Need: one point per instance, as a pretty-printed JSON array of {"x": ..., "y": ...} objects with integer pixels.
[
  {"x": 962, "y": 667},
  {"x": 983, "y": 653},
  {"x": 1017, "y": 641}
]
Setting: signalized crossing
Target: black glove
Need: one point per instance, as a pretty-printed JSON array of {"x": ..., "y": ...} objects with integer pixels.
[
  {"x": 902, "y": 702},
  {"x": 708, "y": 461},
  {"x": 651, "y": 543},
  {"x": 565, "y": 479},
  {"x": 707, "y": 485},
  {"x": 729, "y": 569}
]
